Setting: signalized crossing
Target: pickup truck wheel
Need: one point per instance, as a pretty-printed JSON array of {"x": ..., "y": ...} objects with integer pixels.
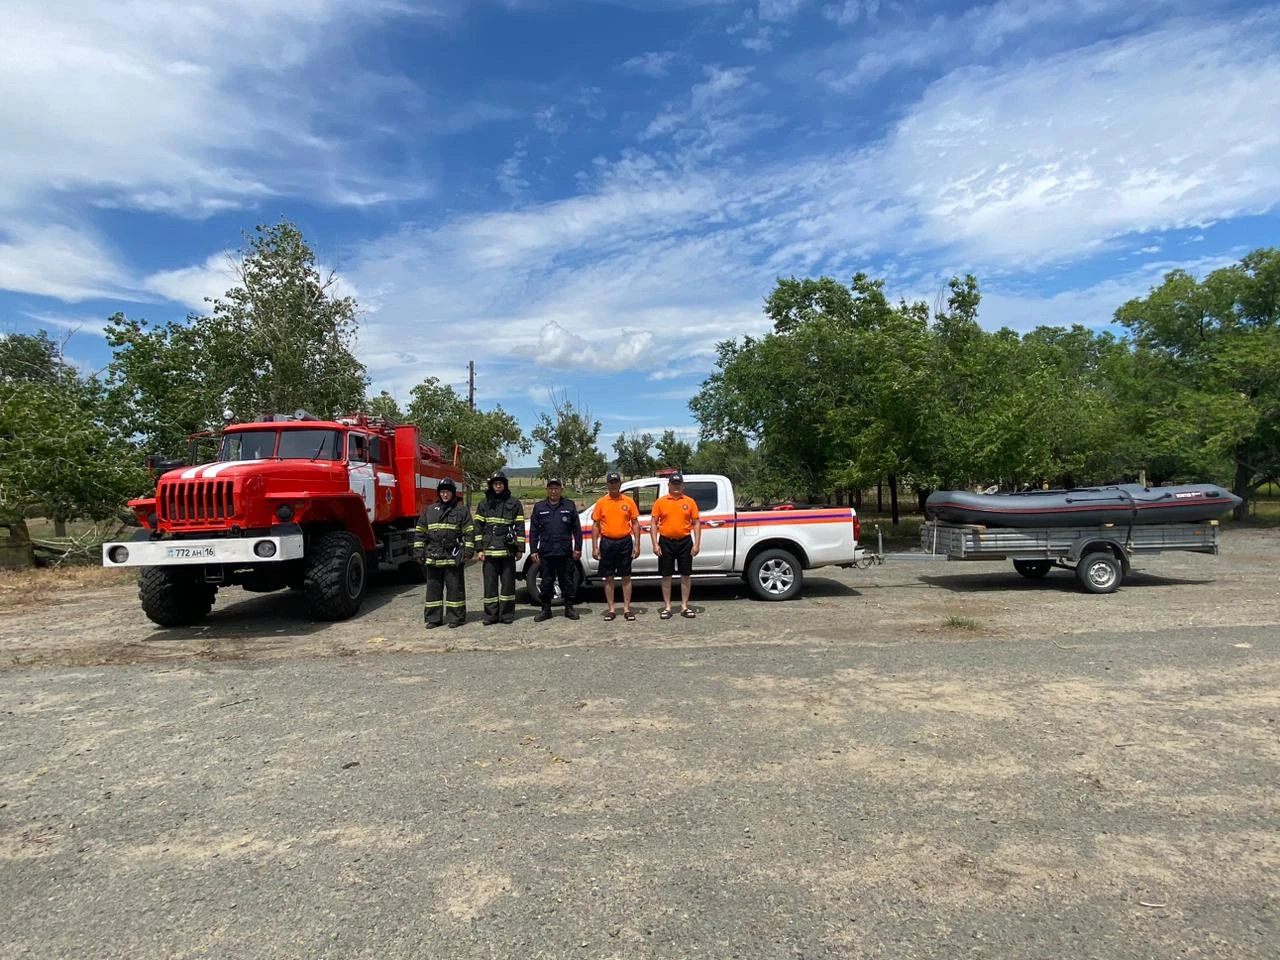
[
  {"x": 1033, "y": 569},
  {"x": 337, "y": 574},
  {"x": 774, "y": 575},
  {"x": 1099, "y": 572},
  {"x": 557, "y": 599},
  {"x": 174, "y": 597}
]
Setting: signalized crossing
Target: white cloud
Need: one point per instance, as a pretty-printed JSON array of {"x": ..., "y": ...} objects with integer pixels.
[
  {"x": 778, "y": 10},
  {"x": 59, "y": 261},
  {"x": 511, "y": 180},
  {"x": 190, "y": 286},
  {"x": 939, "y": 42},
  {"x": 849, "y": 12},
  {"x": 194, "y": 287},
  {"x": 1171, "y": 129},
  {"x": 655, "y": 63},
  {"x": 1093, "y": 305},
  {"x": 173, "y": 107},
  {"x": 716, "y": 114}
]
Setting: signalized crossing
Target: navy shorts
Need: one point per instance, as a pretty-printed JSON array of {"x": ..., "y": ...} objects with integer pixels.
[
  {"x": 676, "y": 555},
  {"x": 615, "y": 556}
]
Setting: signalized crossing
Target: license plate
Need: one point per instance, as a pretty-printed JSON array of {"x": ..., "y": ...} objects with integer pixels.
[{"x": 187, "y": 553}]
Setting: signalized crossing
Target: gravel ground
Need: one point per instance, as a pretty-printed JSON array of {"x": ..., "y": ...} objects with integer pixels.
[{"x": 922, "y": 759}]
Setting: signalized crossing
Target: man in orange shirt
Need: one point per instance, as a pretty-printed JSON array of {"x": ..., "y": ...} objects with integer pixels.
[
  {"x": 615, "y": 523},
  {"x": 677, "y": 537}
]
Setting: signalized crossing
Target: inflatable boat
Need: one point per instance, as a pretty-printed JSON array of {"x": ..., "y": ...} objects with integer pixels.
[{"x": 1126, "y": 503}]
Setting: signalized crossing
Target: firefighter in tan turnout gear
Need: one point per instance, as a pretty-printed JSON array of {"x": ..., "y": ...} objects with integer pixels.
[
  {"x": 499, "y": 544},
  {"x": 443, "y": 542}
]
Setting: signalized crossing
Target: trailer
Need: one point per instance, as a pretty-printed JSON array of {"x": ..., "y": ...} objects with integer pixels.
[{"x": 1100, "y": 555}]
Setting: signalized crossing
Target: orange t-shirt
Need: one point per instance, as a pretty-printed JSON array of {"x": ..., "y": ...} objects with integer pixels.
[
  {"x": 615, "y": 516},
  {"x": 674, "y": 516}
]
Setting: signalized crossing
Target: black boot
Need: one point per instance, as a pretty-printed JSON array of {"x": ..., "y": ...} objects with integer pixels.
[
  {"x": 544, "y": 615},
  {"x": 570, "y": 613}
]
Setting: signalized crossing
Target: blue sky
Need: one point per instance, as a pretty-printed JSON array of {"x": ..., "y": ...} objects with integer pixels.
[{"x": 584, "y": 197}]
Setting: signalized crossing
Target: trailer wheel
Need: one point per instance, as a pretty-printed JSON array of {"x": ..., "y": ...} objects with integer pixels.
[
  {"x": 1033, "y": 569},
  {"x": 1099, "y": 572},
  {"x": 337, "y": 574},
  {"x": 174, "y": 597},
  {"x": 557, "y": 598},
  {"x": 774, "y": 575}
]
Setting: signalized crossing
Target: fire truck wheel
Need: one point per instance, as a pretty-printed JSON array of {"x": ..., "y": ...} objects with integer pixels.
[
  {"x": 174, "y": 597},
  {"x": 337, "y": 573}
]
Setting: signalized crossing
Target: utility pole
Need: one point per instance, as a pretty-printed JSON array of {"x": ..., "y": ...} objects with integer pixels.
[{"x": 471, "y": 405}]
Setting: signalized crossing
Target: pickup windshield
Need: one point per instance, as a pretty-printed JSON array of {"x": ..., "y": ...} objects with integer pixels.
[{"x": 284, "y": 444}]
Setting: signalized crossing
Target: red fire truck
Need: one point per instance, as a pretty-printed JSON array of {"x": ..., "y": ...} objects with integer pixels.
[{"x": 291, "y": 501}]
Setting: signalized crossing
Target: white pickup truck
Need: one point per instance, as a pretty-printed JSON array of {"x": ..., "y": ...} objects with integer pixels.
[{"x": 770, "y": 549}]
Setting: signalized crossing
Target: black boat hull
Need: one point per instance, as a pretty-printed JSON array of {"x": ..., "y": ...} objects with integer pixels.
[{"x": 1128, "y": 503}]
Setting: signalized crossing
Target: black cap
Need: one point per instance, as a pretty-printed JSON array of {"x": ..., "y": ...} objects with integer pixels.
[
  {"x": 498, "y": 476},
  {"x": 676, "y": 478},
  {"x": 554, "y": 482},
  {"x": 613, "y": 476},
  {"x": 446, "y": 484}
]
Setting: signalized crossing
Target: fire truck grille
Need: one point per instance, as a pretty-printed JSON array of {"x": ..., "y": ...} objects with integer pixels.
[{"x": 194, "y": 503}]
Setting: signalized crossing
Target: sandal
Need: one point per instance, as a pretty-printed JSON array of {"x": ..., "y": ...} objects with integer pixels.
[
  {"x": 688, "y": 614},
  {"x": 665, "y": 615},
  {"x": 610, "y": 615},
  {"x": 628, "y": 615}
]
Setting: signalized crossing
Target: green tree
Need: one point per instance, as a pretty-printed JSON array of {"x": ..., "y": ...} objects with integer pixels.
[
  {"x": 569, "y": 443},
  {"x": 57, "y": 456},
  {"x": 731, "y": 456},
  {"x": 673, "y": 452},
  {"x": 632, "y": 454},
  {"x": 486, "y": 436},
  {"x": 1207, "y": 356},
  {"x": 384, "y": 405},
  {"x": 280, "y": 339}
]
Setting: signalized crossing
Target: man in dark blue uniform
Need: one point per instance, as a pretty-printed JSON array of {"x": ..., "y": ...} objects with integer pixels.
[{"x": 555, "y": 542}]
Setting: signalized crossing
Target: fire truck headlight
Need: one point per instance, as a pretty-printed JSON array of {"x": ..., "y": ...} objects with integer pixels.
[
  {"x": 264, "y": 549},
  {"x": 284, "y": 513},
  {"x": 118, "y": 554}
]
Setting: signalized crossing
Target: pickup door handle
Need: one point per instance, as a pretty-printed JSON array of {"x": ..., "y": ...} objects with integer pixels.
[{"x": 715, "y": 523}]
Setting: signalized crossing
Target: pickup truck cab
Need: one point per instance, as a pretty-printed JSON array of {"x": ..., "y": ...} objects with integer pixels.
[{"x": 770, "y": 549}]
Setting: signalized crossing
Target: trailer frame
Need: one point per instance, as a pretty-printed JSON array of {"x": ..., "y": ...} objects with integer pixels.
[{"x": 1100, "y": 555}]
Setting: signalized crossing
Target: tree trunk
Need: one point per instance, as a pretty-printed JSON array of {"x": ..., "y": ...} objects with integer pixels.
[
  {"x": 59, "y": 527},
  {"x": 879, "y": 496},
  {"x": 1241, "y": 490},
  {"x": 857, "y": 499},
  {"x": 893, "y": 499},
  {"x": 15, "y": 550},
  {"x": 921, "y": 497}
]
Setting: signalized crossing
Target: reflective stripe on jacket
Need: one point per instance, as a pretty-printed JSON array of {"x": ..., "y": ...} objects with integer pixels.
[
  {"x": 494, "y": 520},
  {"x": 444, "y": 534}
]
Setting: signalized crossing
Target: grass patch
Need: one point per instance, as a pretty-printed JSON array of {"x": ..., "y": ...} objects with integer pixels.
[
  {"x": 960, "y": 623},
  {"x": 32, "y": 588}
]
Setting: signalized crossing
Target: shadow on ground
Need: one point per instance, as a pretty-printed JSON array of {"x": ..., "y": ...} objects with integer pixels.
[
  {"x": 1055, "y": 580},
  {"x": 238, "y": 614}
]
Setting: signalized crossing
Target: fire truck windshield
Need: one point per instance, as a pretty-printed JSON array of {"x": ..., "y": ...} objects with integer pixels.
[{"x": 284, "y": 444}]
